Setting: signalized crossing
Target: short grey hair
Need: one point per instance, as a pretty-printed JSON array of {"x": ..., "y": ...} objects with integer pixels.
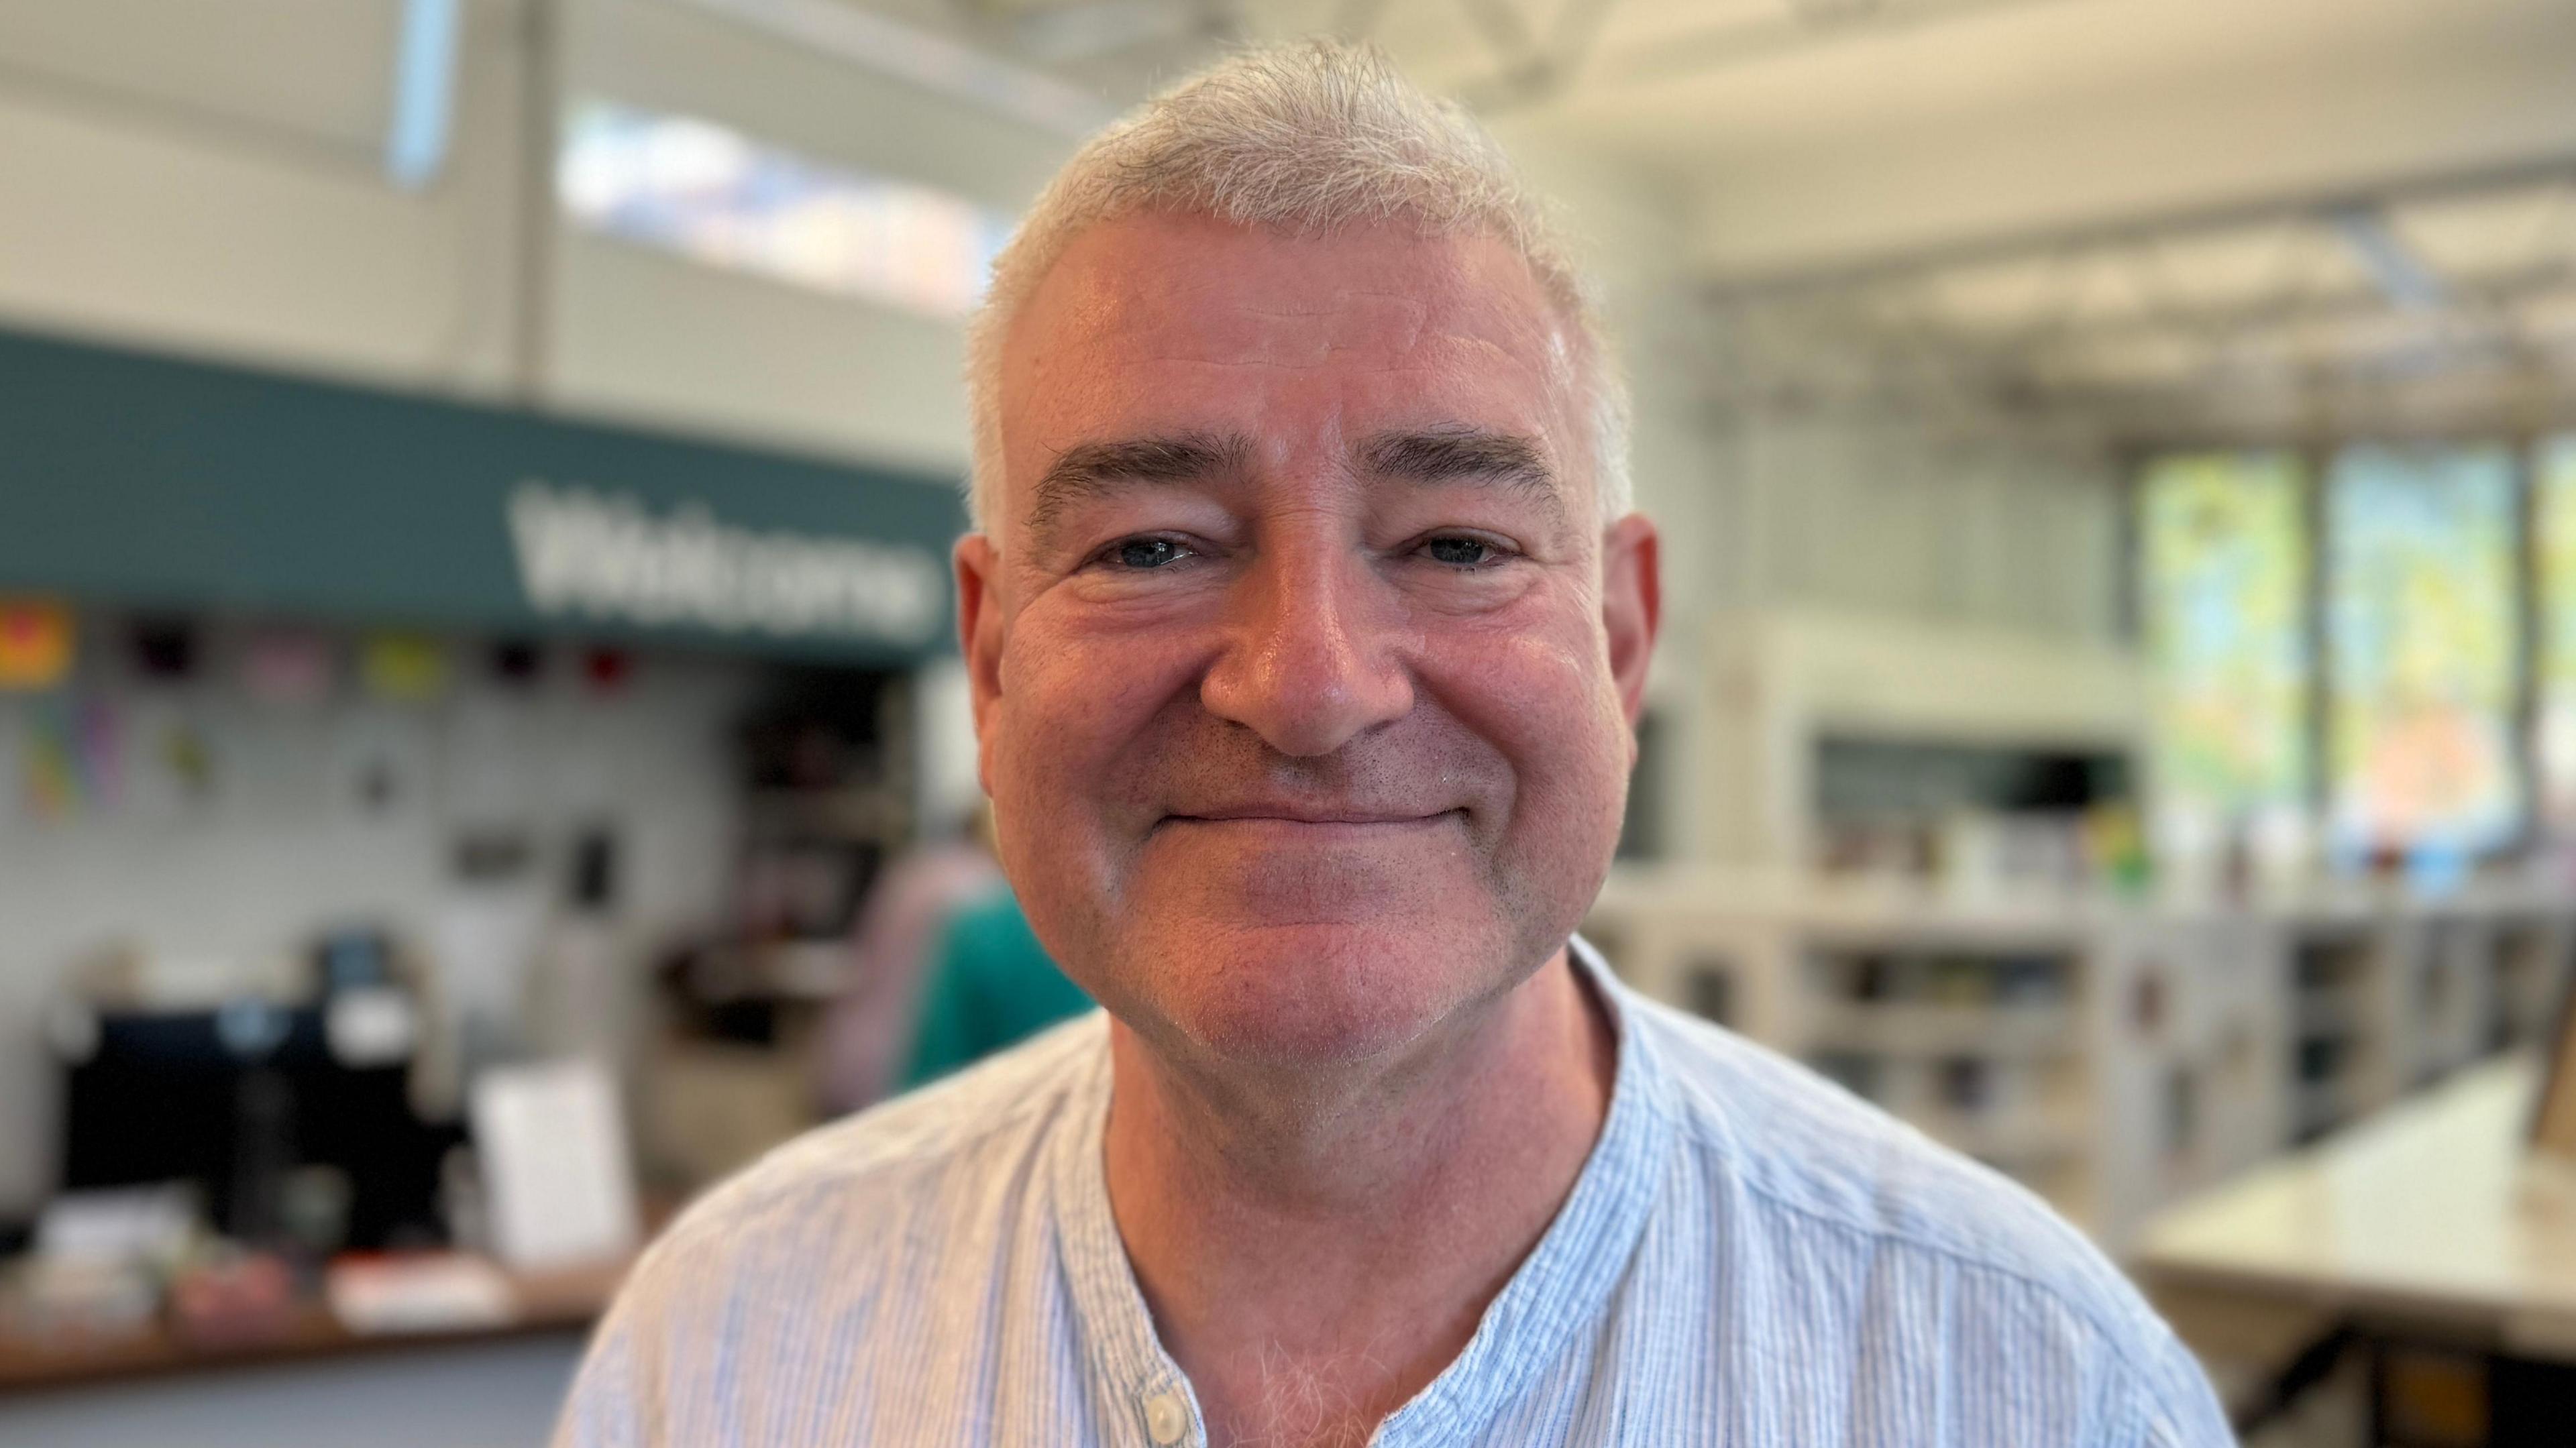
[{"x": 1307, "y": 138}]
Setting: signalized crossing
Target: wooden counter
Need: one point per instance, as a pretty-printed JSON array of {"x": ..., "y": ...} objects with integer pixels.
[{"x": 547, "y": 1302}]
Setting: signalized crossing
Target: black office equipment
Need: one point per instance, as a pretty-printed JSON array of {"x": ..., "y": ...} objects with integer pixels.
[{"x": 234, "y": 1099}]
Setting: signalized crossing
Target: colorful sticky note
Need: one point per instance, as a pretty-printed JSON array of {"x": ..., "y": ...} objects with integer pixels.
[
  {"x": 287, "y": 667},
  {"x": 48, "y": 773},
  {"x": 35, "y": 643},
  {"x": 404, "y": 667}
]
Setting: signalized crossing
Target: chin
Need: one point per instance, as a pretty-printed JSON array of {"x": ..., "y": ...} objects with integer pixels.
[{"x": 1285, "y": 995}]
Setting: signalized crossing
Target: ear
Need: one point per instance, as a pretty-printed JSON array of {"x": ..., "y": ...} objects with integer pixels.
[
  {"x": 979, "y": 636},
  {"x": 1632, "y": 605}
]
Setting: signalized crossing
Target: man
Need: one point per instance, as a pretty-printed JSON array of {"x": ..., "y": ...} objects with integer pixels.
[{"x": 1308, "y": 626}]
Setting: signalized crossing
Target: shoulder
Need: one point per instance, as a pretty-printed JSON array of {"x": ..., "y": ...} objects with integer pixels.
[
  {"x": 1800, "y": 1142},
  {"x": 868, "y": 1184},
  {"x": 1885, "y": 1222},
  {"x": 746, "y": 1311}
]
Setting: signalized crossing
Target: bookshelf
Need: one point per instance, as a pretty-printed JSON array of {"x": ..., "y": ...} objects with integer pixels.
[
  {"x": 2533, "y": 954},
  {"x": 1967, "y": 1023},
  {"x": 2345, "y": 979},
  {"x": 2110, "y": 1057}
]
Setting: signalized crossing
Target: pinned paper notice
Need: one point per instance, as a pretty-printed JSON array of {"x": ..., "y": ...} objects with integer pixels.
[{"x": 555, "y": 1164}]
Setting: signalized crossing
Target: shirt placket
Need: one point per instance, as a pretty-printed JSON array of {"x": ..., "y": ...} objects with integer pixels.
[{"x": 1170, "y": 1414}]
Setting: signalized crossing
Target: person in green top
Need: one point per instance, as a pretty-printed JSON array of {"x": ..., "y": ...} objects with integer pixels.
[{"x": 991, "y": 986}]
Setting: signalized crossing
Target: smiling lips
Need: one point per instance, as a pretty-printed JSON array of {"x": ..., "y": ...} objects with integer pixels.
[{"x": 1286, "y": 815}]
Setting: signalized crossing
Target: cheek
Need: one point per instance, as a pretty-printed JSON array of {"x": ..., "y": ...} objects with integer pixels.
[
  {"x": 1062, "y": 686},
  {"x": 1547, "y": 703},
  {"x": 1058, "y": 753}
]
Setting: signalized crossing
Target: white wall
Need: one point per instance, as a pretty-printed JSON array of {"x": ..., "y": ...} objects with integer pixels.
[
  {"x": 1991, "y": 527},
  {"x": 162, "y": 201},
  {"x": 233, "y": 888},
  {"x": 149, "y": 209}
]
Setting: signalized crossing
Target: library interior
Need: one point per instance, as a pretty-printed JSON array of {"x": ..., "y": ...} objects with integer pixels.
[{"x": 485, "y": 752}]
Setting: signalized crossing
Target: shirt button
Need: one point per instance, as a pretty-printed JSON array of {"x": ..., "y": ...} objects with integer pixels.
[{"x": 1166, "y": 1420}]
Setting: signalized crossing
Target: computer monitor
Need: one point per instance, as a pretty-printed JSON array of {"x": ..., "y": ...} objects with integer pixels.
[{"x": 233, "y": 1099}]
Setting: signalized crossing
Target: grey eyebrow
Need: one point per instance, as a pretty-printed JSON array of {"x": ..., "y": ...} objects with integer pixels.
[
  {"x": 1099, "y": 469},
  {"x": 1470, "y": 454}
]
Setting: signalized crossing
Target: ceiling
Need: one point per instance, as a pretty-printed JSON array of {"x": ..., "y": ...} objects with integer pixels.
[
  {"x": 2434, "y": 308},
  {"x": 2165, "y": 215},
  {"x": 1687, "y": 86}
]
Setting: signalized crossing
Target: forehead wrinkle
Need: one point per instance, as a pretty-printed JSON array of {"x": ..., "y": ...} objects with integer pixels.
[
  {"x": 1543, "y": 368},
  {"x": 1120, "y": 326},
  {"x": 1392, "y": 329},
  {"x": 1189, "y": 320}
]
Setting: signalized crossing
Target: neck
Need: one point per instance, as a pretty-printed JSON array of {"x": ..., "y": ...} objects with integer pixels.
[{"x": 1316, "y": 1251}]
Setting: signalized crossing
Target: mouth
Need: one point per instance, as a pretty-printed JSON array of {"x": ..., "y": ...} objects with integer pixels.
[{"x": 1302, "y": 820}]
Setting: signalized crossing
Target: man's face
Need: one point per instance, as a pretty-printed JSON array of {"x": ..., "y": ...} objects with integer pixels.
[{"x": 1304, "y": 670}]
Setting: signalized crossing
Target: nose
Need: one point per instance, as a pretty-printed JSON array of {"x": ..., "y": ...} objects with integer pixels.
[{"x": 1310, "y": 660}]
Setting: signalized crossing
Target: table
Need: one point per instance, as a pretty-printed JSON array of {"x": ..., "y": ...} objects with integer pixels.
[
  {"x": 2427, "y": 1225},
  {"x": 549, "y": 1302}
]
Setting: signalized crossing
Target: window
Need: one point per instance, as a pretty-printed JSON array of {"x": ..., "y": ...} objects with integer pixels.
[
  {"x": 2554, "y": 524},
  {"x": 706, "y": 193},
  {"x": 2225, "y": 564},
  {"x": 2418, "y": 605},
  {"x": 2423, "y": 634}
]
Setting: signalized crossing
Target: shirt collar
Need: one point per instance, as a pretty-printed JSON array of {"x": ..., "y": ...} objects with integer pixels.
[{"x": 1558, "y": 1290}]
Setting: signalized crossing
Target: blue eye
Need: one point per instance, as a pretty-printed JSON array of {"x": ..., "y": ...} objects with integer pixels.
[
  {"x": 1458, "y": 552},
  {"x": 1148, "y": 552}
]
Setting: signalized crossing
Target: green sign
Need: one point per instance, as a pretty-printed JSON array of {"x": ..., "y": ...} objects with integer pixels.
[{"x": 140, "y": 481}]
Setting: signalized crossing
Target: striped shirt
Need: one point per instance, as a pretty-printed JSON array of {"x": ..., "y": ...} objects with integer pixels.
[{"x": 1749, "y": 1256}]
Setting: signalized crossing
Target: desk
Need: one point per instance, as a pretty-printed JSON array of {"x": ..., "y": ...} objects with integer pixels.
[
  {"x": 2426, "y": 1224},
  {"x": 548, "y": 1303}
]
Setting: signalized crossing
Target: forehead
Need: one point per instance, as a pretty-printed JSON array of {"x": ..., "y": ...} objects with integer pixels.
[{"x": 1158, "y": 323}]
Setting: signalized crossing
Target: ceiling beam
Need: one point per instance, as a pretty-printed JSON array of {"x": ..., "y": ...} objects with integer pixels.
[
  {"x": 2179, "y": 224},
  {"x": 2243, "y": 135}
]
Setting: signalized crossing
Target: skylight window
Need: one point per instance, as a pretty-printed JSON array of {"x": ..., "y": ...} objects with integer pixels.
[{"x": 714, "y": 196}]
